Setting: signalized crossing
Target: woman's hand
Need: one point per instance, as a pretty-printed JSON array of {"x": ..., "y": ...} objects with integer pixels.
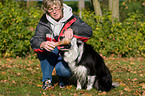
[
  {"x": 48, "y": 45},
  {"x": 68, "y": 33}
]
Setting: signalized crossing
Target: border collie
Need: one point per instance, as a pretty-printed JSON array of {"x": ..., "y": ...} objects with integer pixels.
[{"x": 87, "y": 66}]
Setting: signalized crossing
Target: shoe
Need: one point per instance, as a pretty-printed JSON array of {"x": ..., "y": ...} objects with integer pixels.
[
  {"x": 63, "y": 82},
  {"x": 62, "y": 86},
  {"x": 46, "y": 84}
]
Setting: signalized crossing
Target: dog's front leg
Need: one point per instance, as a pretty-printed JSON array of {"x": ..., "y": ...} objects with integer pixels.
[
  {"x": 79, "y": 87},
  {"x": 91, "y": 80}
]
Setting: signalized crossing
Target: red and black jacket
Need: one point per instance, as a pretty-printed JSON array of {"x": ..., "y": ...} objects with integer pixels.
[{"x": 81, "y": 30}]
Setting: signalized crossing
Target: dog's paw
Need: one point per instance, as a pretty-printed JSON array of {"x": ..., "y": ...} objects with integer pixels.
[
  {"x": 89, "y": 88},
  {"x": 78, "y": 88}
]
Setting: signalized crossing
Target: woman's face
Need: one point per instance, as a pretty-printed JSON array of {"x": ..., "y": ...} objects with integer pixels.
[{"x": 55, "y": 12}]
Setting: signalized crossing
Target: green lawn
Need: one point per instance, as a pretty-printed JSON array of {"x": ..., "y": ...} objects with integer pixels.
[{"x": 22, "y": 77}]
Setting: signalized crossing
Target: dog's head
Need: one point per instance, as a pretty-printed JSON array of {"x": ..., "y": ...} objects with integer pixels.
[
  {"x": 63, "y": 46},
  {"x": 71, "y": 53}
]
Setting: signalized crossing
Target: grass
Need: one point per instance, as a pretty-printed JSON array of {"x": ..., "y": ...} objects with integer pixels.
[{"x": 22, "y": 77}]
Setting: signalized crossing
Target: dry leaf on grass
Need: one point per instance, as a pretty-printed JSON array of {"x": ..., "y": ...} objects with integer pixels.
[
  {"x": 3, "y": 73},
  {"x": 38, "y": 85},
  {"x": 143, "y": 85},
  {"x": 14, "y": 82},
  {"x": 44, "y": 93},
  {"x": 122, "y": 84},
  {"x": 143, "y": 94},
  {"x": 86, "y": 94},
  {"x": 103, "y": 93},
  {"x": 69, "y": 87},
  {"x": 127, "y": 89},
  {"x": 132, "y": 63},
  {"x": 134, "y": 79}
]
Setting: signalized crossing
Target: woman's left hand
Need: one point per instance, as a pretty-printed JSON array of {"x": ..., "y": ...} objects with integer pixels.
[{"x": 68, "y": 33}]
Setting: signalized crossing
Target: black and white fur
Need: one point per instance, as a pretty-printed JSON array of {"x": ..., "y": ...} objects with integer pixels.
[{"x": 87, "y": 66}]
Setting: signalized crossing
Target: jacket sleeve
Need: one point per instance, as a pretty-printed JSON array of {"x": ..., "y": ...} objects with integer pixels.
[
  {"x": 38, "y": 38},
  {"x": 81, "y": 29}
]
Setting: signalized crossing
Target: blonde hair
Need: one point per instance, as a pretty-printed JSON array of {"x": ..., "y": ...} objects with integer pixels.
[{"x": 49, "y": 3}]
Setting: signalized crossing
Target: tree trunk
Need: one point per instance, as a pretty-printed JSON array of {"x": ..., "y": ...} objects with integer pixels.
[
  {"x": 110, "y": 5},
  {"x": 22, "y": 4},
  {"x": 31, "y": 3},
  {"x": 97, "y": 7},
  {"x": 115, "y": 10},
  {"x": 81, "y": 7},
  {"x": 27, "y": 4}
]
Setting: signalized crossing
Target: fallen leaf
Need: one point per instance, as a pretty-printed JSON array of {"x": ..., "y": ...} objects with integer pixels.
[
  {"x": 60, "y": 94},
  {"x": 54, "y": 72},
  {"x": 38, "y": 85},
  {"x": 75, "y": 94},
  {"x": 103, "y": 93},
  {"x": 121, "y": 92},
  {"x": 122, "y": 84},
  {"x": 51, "y": 94},
  {"x": 134, "y": 79},
  {"x": 30, "y": 62},
  {"x": 44, "y": 93},
  {"x": 69, "y": 87},
  {"x": 143, "y": 3},
  {"x": 86, "y": 94},
  {"x": 5, "y": 81},
  {"x": 143, "y": 85},
  {"x": 8, "y": 59},
  {"x": 133, "y": 72},
  {"x": 18, "y": 74},
  {"x": 132, "y": 63},
  {"x": 141, "y": 75},
  {"x": 143, "y": 94},
  {"x": 14, "y": 82},
  {"x": 3, "y": 73},
  {"x": 123, "y": 3},
  {"x": 118, "y": 79},
  {"x": 127, "y": 89}
]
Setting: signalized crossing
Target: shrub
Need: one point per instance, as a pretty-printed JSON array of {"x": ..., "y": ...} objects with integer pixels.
[
  {"x": 121, "y": 39},
  {"x": 127, "y": 6},
  {"x": 16, "y": 29}
]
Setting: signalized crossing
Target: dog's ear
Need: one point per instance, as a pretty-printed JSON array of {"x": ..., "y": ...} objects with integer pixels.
[
  {"x": 79, "y": 42},
  {"x": 56, "y": 38}
]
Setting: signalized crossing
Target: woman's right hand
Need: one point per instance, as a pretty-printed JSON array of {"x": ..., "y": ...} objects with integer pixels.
[{"x": 48, "y": 45}]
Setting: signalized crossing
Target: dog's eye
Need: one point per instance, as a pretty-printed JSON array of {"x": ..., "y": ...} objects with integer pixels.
[
  {"x": 79, "y": 43},
  {"x": 67, "y": 46},
  {"x": 61, "y": 37}
]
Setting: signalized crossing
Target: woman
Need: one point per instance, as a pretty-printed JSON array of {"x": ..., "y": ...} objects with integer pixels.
[{"x": 57, "y": 21}]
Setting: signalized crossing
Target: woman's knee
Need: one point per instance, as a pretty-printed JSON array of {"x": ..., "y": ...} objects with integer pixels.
[{"x": 62, "y": 70}]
